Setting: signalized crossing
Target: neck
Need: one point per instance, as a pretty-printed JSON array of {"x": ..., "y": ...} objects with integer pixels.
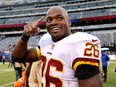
[{"x": 55, "y": 39}]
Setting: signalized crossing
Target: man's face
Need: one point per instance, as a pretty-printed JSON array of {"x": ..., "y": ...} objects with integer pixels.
[{"x": 57, "y": 24}]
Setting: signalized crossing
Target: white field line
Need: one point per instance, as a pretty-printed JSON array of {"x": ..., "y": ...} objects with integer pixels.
[
  {"x": 7, "y": 84},
  {"x": 6, "y": 70},
  {"x": 3, "y": 71},
  {"x": 112, "y": 62},
  {"x": 6, "y": 63}
]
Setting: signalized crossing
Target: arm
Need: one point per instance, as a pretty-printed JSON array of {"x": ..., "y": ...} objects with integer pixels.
[
  {"x": 95, "y": 81},
  {"x": 21, "y": 52},
  {"x": 88, "y": 67},
  {"x": 108, "y": 58},
  {"x": 89, "y": 76},
  {"x": 34, "y": 78}
]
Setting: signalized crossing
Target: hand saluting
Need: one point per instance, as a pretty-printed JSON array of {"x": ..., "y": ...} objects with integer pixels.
[{"x": 32, "y": 28}]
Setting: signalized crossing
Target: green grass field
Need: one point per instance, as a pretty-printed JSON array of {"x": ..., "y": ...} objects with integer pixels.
[{"x": 7, "y": 75}]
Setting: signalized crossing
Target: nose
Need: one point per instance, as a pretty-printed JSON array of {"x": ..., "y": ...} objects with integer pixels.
[{"x": 54, "y": 21}]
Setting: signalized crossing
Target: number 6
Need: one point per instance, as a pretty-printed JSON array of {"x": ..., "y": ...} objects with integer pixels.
[{"x": 91, "y": 50}]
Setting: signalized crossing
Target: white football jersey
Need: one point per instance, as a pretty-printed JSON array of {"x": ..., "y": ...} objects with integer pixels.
[
  {"x": 60, "y": 59},
  {"x": 45, "y": 40}
]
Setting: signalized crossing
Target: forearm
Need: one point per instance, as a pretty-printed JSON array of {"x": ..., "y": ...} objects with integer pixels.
[
  {"x": 20, "y": 49},
  {"x": 33, "y": 83},
  {"x": 95, "y": 81},
  {"x": 33, "y": 77}
]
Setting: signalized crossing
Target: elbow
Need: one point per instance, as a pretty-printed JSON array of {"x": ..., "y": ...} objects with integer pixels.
[{"x": 17, "y": 58}]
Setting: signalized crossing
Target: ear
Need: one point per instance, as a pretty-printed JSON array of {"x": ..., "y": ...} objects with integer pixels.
[{"x": 69, "y": 22}]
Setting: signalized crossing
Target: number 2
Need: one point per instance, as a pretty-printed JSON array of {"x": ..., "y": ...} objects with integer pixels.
[{"x": 52, "y": 63}]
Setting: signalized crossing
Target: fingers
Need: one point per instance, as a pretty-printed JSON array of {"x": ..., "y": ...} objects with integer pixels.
[
  {"x": 32, "y": 28},
  {"x": 39, "y": 21}
]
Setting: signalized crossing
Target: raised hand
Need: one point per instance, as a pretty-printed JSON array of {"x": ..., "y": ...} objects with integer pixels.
[{"x": 32, "y": 28}]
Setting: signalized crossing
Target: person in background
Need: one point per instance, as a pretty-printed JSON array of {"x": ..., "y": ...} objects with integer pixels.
[
  {"x": 68, "y": 60},
  {"x": 8, "y": 55},
  {"x": 18, "y": 69},
  {"x": 10, "y": 60},
  {"x": 3, "y": 57},
  {"x": 23, "y": 81},
  {"x": 0, "y": 55},
  {"x": 105, "y": 58}
]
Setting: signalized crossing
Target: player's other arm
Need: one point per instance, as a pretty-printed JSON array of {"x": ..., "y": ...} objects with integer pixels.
[
  {"x": 87, "y": 68},
  {"x": 33, "y": 81},
  {"x": 94, "y": 81},
  {"x": 21, "y": 53},
  {"x": 89, "y": 76}
]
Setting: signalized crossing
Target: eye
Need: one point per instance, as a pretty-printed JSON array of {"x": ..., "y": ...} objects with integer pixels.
[
  {"x": 59, "y": 18},
  {"x": 49, "y": 20}
]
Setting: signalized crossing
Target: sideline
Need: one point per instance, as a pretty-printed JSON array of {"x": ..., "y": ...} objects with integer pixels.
[
  {"x": 6, "y": 70},
  {"x": 7, "y": 84},
  {"x": 112, "y": 62}
]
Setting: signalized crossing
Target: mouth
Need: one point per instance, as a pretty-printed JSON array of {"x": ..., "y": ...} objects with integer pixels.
[{"x": 55, "y": 29}]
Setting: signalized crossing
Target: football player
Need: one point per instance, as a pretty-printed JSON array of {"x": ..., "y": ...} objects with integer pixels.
[{"x": 68, "y": 60}]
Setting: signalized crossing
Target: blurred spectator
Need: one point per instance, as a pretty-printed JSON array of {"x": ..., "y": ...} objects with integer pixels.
[
  {"x": 7, "y": 54},
  {"x": 11, "y": 49},
  {"x": 0, "y": 55},
  {"x": 23, "y": 81},
  {"x": 105, "y": 59},
  {"x": 3, "y": 57},
  {"x": 18, "y": 69}
]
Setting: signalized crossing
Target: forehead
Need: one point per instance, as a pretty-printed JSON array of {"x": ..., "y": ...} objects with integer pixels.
[{"x": 55, "y": 12}]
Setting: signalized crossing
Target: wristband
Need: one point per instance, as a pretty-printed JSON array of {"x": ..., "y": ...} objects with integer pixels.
[{"x": 24, "y": 37}]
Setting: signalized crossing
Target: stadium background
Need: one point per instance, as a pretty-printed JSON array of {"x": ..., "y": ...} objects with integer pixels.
[{"x": 97, "y": 17}]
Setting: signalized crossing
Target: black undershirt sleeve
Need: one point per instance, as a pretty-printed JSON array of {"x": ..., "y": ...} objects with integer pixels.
[{"x": 86, "y": 71}]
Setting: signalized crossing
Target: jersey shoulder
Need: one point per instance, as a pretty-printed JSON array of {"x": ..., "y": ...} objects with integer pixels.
[
  {"x": 45, "y": 40},
  {"x": 80, "y": 36}
]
